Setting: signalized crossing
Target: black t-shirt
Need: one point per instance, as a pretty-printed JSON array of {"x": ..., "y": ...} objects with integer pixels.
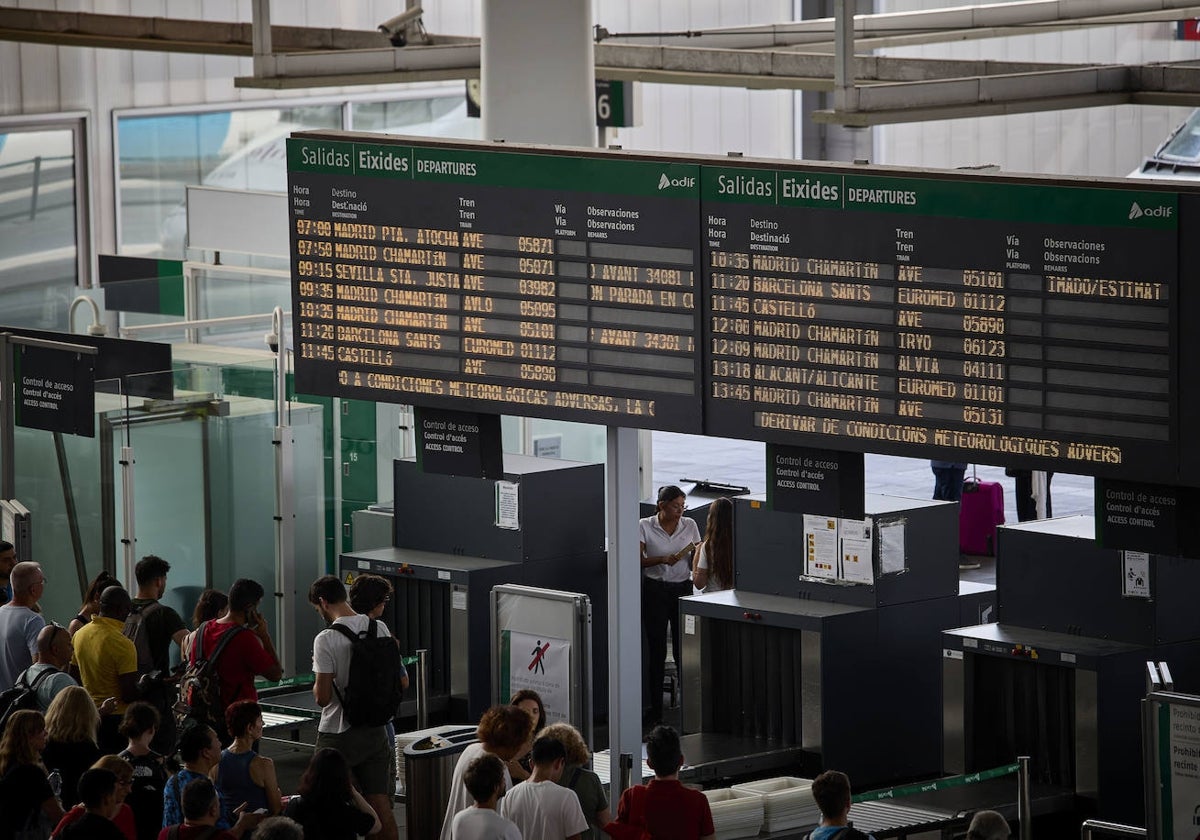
[
  {"x": 70, "y": 759},
  {"x": 91, "y": 827},
  {"x": 22, "y": 791},
  {"x": 329, "y": 821},
  {"x": 146, "y": 796},
  {"x": 161, "y": 624}
]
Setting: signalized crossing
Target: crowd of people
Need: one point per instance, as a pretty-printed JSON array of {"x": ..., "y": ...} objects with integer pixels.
[{"x": 98, "y": 743}]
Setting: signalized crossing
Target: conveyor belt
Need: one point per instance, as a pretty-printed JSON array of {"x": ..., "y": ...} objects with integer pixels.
[{"x": 708, "y": 757}]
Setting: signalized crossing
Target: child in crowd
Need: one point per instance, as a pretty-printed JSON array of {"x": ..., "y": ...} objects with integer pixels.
[
  {"x": 831, "y": 790},
  {"x": 663, "y": 809},
  {"x": 541, "y": 808},
  {"x": 484, "y": 780}
]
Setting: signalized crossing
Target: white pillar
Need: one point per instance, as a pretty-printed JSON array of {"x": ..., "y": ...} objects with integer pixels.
[
  {"x": 624, "y": 604},
  {"x": 538, "y": 73}
]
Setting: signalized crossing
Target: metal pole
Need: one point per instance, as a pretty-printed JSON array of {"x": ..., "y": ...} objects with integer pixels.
[
  {"x": 64, "y": 477},
  {"x": 8, "y": 438},
  {"x": 625, "y": 771},
  {"x": 422, "y": 688},
  {"x": 1024, "y": 815},
  {"x": 260, "y": 34},
  {"x": 285, "y": 511},
  {"x": 845, "y": 97},
  {"x": 1041, "y": 492},
  {"x": 37, "y": 183},
  {"x": 128, "y": 538}
]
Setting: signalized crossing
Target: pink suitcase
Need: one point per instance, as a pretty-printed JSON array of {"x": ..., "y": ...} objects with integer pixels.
[{"x": 979, "y": 512}]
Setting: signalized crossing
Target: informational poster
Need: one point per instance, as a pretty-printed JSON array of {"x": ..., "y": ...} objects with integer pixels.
[
  {"x": 891, "y": 548},
  {"x": 820, "y": 546},
  {"x": 508, "y": 505},
  {"x": 541, "y": 663},
  {"x": 856, "y": 553},
  {"x": 1179, "y": 762},
  {"x": 1135, "y": 574}
]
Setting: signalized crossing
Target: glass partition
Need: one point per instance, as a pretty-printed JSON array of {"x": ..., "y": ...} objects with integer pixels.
[{"x": 39, "y": 221}]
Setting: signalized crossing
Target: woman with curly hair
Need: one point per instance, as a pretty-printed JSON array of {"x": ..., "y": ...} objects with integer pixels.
[
  {"x": 712, "y": 566},
  {"x": 28, "y": 802},
  {"x": 72, "y": 723},
  {"x": 503, "y": 732},
  {"x": 584, "y": 782},
  {"x": 327, "y": 804}
]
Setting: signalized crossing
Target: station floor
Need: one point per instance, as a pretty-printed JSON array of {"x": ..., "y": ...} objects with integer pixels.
[{"x": 678, "y": 457}]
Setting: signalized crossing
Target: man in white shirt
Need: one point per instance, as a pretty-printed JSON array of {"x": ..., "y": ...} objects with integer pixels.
[
  {"x": 484, "y": 780},
  {"x": 541, "y": 808},
  {"x": 366, "y": 748},
  {"x": 20, "y": 623}
]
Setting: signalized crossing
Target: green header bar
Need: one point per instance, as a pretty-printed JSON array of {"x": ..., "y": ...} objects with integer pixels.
[
  {"x": 495, "y": 168},
  {"x": 967, "y": 199}
]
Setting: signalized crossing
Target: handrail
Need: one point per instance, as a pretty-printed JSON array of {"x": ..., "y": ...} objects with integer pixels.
[
  {"x": 167, "y": 326},
  {"x": 1090, "y": 828}
]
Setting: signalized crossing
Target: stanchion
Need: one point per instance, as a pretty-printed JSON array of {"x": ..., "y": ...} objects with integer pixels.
[
  {"x": 1024, "y": 814},
  {"x": 422, "y": 689}
]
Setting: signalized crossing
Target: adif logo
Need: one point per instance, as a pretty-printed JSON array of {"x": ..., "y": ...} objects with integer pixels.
[
  {"x": 664, "y": 182},
  {"x": 1136, "y": 211}
]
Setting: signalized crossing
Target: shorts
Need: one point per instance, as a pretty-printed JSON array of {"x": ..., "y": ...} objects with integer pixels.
[{"x": 369, "y": 755}]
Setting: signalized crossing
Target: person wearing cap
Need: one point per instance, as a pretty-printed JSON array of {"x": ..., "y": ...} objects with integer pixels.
[{"x": 108, "y": 664}]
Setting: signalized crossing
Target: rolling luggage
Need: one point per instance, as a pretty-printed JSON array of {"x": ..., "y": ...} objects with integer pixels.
[{"x": 980, "y": 511}]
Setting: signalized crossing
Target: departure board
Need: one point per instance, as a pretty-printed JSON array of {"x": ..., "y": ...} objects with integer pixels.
[
  {"x": 1020, "y": 323},
  {"x": 553, "y": 285}
]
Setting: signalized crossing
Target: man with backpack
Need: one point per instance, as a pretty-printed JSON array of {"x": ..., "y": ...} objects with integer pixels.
[
  {"x": 153, "y": 627},
  {"x": 47, "y": 675},
  {"x": 20, "y": 622},
  {"x": 831, "y": 790},
  {"x": 244, "y": 656},
  {"x": 357, "y": 668}
]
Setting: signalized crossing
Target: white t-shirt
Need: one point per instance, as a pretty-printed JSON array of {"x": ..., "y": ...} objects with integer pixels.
[
  {"x": 544, "y": 810},
  {"x": 19, "y": 628},
  {"x": 331, "y": 655},
  {"x": 661, "y": 544},
  {"x": 460, "y": 797},
  {"x": 483, "y": 824},
  {"x": 714, "y": 584}
]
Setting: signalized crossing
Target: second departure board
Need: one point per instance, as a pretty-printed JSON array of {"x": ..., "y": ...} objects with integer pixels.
[
  {"x": 545, "y": 284},
  {"x": 1017, "y": 323}
]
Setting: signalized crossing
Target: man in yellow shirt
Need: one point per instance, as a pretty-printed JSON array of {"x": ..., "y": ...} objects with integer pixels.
[{"x": 108, "y": 665}]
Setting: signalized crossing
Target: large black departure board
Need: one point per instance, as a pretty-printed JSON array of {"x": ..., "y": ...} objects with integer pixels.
[
  {"x": 1021, "y": 323},
  {"x": 545, "y": 284},
  {"x": 1017, "y": 321}
]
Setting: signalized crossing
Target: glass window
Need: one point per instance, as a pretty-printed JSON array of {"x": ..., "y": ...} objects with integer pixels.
[
  {"x": 159, "y": 156},
  {"x": 445, "y": 116},
  {"x": 39, "y": 253}
]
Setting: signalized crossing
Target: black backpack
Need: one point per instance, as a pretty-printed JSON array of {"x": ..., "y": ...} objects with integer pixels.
[
  {"x": 373, "y": 689},
  {"x": 23, "y": 695},
  {"x": 200, "y": 686},
  {"x": 136, "y": 631}
]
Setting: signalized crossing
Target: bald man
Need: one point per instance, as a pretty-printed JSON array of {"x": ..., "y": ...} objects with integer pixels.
[
  {"x": 107, "y": 663},
  {"x": 20, "y": 623},
  {"x": 54, "y": 651}
]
